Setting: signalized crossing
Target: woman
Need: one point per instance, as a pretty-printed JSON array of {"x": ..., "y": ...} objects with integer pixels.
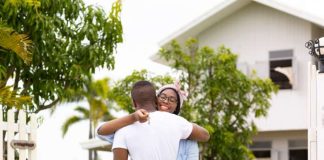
[{"x": 170, "y": 99}]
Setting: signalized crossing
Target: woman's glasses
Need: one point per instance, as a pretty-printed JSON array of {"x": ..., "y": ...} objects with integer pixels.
[{"x": 165, "y": 98}]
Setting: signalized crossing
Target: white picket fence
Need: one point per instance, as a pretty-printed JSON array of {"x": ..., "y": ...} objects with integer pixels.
[
  {"x": 24, "y": 142},
  {"x": 315, "y": 114}
]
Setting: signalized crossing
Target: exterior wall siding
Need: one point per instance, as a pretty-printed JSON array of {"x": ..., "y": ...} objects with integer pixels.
[{"x": 252, "y": 32}]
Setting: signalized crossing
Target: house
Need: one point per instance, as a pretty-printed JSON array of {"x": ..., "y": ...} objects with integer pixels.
[{"x": 270, "y": 38}]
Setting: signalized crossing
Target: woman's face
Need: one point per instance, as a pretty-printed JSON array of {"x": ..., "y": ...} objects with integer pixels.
[{"x": 167, "y": 101}]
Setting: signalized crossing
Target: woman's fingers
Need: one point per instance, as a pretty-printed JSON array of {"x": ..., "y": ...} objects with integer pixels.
[{"x": 142, "y": 115}]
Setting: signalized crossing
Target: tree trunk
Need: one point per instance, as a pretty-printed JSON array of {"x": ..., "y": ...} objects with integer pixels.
[
  {"x": 90, "y": 136},
  {"x": 95, "y": 154},
  {"x": 90, "y": 154}
]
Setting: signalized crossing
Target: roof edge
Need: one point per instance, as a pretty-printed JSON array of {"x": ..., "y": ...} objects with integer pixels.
[
  {"x": 200, "y": 19},
  {"x": 293, "y": 11}
]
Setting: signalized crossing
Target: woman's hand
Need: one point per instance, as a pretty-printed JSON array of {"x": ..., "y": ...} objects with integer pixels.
[{"x": 141, "y": 115}]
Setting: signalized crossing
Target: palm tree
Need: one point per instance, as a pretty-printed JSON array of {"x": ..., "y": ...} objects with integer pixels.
[
  {"x": 97, "y": 94},
  {"x": 13, "y": 43}
]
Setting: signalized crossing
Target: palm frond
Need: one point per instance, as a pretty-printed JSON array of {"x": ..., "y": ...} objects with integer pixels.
[
  {"x": 18, "y": 43},
  {"x": 101, "y": 88},
  {"x": 85, "y": 112},
  {"x": 97, "y": 110},
  {"x": 8, "y": 97},
  {"x": 3, "y": 72},
  {"x": 66, "y": 125}
]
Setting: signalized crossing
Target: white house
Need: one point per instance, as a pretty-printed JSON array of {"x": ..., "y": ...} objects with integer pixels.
[{"x": 270, "y": 38}]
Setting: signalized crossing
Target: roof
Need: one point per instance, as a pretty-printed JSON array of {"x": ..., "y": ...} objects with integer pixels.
[{"x": 225, "y": 9}]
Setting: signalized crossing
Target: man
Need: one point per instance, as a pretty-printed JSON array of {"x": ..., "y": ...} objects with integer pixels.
[{"x": 158, "y": 138}]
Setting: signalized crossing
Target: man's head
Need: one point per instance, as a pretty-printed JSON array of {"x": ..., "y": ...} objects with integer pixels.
[{"x": 143, "y": 95}]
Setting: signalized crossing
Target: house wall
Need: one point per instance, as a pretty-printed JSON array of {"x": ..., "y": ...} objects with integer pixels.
[{"x": 252, "y": 32}]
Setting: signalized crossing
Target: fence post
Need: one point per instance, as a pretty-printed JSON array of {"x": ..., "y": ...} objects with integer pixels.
[
  {"x": 32, "y": 136},
  {"x": 22, "y": 133},
  {"x": 10, "y": 134}
]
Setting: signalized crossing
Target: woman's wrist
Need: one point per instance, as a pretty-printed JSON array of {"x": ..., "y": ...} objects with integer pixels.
[{"x": 135, "y": 117}]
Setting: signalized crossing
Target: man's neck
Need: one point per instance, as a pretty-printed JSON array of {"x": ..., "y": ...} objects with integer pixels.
[{"x": 149, "y": 108}]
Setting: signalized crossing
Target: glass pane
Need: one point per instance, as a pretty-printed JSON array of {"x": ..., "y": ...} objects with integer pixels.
[
  {"x": 262, "y": 154},
  {"x": 281, "y": 73},
  {"x": 300, "y": 154}
]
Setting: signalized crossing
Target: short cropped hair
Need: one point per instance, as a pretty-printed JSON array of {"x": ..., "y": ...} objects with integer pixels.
[{"x": 143, "y": 92}]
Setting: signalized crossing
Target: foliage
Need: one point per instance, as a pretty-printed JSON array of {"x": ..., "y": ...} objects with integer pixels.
[
  {"x": 96, "y": 94},
  {"x": 221, "y": 98},
  {"x": 10, "y": 98},
  {"x": 69, "y": 41},
  {"x": 121, "y": 90},
  {"x": 19, "y": 45}
]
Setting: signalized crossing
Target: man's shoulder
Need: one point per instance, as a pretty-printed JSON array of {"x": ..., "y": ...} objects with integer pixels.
[
  {"x": 161, "y": 113},
  {"x": 166, "y": 116}
]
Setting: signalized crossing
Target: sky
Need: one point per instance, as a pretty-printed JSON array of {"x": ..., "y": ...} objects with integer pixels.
[{"x": 145, "y": 24}]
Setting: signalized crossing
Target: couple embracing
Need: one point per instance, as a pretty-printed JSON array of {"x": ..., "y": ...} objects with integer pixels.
[{"x": 154, "y": 131}]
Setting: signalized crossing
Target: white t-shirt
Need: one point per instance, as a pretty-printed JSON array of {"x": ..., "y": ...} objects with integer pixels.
[{"x": 156, "y": 139}]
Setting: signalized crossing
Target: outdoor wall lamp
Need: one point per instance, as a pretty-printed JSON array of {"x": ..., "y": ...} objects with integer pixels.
[{"x": 317, "y": 50}]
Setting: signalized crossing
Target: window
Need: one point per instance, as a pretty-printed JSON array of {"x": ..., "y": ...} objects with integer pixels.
[
  {"x": 297, "y": 149},
  {"x": 261, "y": 150},
  {"x": 281, "y": 68}
]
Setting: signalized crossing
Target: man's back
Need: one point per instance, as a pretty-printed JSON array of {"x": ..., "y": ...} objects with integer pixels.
[{"x": 157, "y": 139}]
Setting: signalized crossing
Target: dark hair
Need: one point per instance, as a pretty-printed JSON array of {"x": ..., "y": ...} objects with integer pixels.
[
  {"x": 143, "y": 92},
  {"x": 177, "y": 110}
]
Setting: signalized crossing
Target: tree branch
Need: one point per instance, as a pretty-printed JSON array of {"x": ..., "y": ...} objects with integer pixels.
[
  {"x": 27, "y": 84},
  {"x": 42, "y": 107},
  {"x": 17, "y": 78}
]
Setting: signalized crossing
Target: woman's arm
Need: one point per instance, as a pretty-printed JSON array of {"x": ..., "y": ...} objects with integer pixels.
[
  {"x": 199, "y": 133},
  {"x": 120, "y": 154},
  {"x": 112, "y": 126}
]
